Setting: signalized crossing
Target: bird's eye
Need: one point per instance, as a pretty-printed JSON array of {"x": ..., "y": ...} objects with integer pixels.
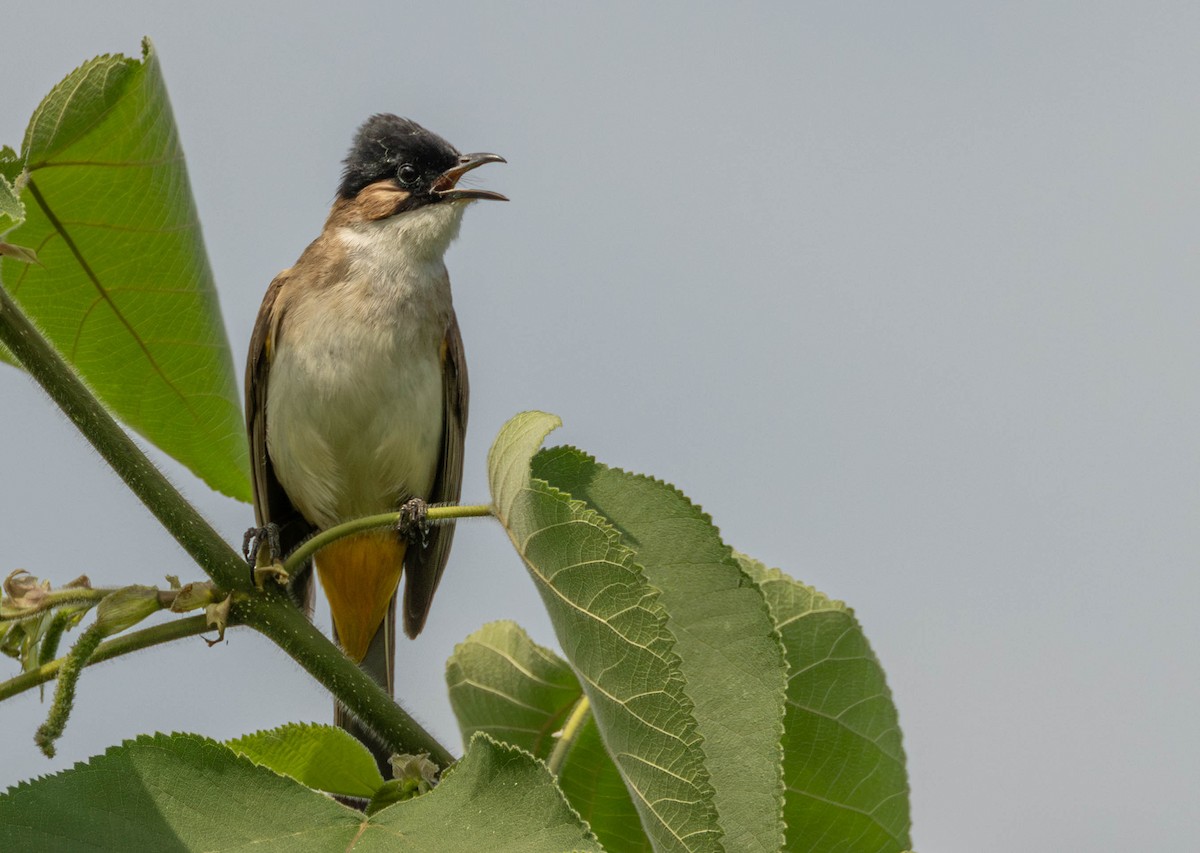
[{"x": 408, "y": 174}]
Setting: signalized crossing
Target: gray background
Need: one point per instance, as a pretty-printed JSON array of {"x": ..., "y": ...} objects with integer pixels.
[{"x": 903, "y": 294}]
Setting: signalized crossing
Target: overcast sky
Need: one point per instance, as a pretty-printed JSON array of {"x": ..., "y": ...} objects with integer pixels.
[{"x": 905, "y": 295}]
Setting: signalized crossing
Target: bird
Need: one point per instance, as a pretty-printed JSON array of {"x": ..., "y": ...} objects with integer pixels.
[{"x": 356, "y": 391}]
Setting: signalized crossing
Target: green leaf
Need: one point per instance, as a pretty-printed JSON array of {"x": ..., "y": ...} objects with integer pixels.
[
  {"x": 170, "y": 792},
  {"x": 498, "y": 798},
  {"x": 843, "y": 762},
  {"x": 730, "y": 651},
  {"x": 124, "y": 290},
  {"x": 323, "y": 757},
  {"x": 614, "y": 632},
  {"x": 12, "y": 212},
  {"x": 185, "y": 792},
  {"x": 594, "y": 788},
  {"x": 503, "y": 683},
  {"x": 10, "y": 169}
]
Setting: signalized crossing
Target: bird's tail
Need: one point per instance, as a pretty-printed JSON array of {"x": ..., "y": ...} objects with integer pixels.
[
  {"x": 359, "y": 575},
  {"x": 379, "y": 663}
]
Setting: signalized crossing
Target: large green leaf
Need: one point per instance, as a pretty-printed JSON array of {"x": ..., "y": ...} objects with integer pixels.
[
  {"x": 323, "y": 757},
  {"x": 185, "y": 792},
  {"x": 503, "y": 683},
  {"x": 847, "y": 788},
  {"x": 177, "y": 792},
  {"x": 729, "y": 649},
  {"x": 498, "y": 799},
  {"x": 614, "y": 632},
  {"x": 124, "y": 289},
  {"x": 594, "y": 788}
]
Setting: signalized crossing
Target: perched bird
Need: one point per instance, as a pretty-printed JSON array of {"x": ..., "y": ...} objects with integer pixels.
[{"x": 356, "y": 387}]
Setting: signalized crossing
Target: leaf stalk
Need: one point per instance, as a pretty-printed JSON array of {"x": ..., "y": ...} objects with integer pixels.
[{"x": 580, "y": 714}]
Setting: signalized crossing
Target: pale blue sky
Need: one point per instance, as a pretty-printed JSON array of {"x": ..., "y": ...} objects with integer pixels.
[{"x": 904, "y": 295}]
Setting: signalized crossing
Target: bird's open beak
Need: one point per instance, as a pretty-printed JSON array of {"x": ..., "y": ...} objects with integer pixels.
[{"x": 446, "y": 186}]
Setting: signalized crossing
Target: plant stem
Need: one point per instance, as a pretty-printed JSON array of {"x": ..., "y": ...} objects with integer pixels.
[
  {"x": 269, "y": 612},
  {"x": 311, "y": 546},
  {"x": 52, "y": 599},
  {"x": 123, "y": 645},
  {"x": 181, "y": 520},
  {"x": 64, "y": 691},
  {"x": 581, "y": 713},
  {"x": 276, "y": 618},
  {"x": 445, "y": 513}
]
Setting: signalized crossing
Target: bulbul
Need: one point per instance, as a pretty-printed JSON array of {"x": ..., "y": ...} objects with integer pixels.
[{"x": 356, "y": 385}]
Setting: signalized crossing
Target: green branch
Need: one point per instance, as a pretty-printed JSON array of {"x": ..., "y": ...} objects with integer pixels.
[
  {"x": 54, "y": 598},
  {"x": 302, "y": 554},
  {"x": 291, "y": 630},
  {"x": 180, "y": 518},
  {"x": 64, "y": 692},
  {"x": 123, "y": 645},
  {"x": 269, "y": 612}
]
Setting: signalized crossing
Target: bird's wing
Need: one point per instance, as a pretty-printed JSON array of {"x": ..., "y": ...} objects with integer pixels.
[
  {"x": 271, "y": 503},
  {"x": 423, "y": 566}
]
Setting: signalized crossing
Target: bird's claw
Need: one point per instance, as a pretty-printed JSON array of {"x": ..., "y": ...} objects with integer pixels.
[
  {"x": 268, "y": 565},
  {"x": 256, "y": 537},
  {"x": 413, "y": 524}
]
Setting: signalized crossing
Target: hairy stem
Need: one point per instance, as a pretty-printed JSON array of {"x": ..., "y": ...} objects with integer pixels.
[
  {"x": 179, "y": 517},
  {"x": 269, "y": 612},
  {"x": 52, "y": 599},
  {"x": 275, "y": 617},
  {"x": 64, "y": 694},
  {"x": 48, "y": 650},
  {"x": 301, "y": 555},
  {"x": 117, "y": 646}
]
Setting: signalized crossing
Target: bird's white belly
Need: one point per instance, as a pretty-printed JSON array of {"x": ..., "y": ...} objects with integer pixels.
[{"x": 354, "y": 416}]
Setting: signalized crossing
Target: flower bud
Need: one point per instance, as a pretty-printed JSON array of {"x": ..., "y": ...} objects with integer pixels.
[{"x": 126, "y": 607}]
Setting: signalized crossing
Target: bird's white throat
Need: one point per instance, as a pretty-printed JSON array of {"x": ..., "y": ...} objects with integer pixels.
[
  {"x": 355, "y": 414},
  {"x": 423, "y": 234}
]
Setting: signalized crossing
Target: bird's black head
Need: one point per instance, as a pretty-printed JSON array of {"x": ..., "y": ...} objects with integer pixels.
[{"x": 427, "y": 167}]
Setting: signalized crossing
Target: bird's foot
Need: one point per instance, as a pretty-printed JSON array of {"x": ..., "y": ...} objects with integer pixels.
[
  {"x": 413, "y": 525},
  {"x": 270, "y": 564}
]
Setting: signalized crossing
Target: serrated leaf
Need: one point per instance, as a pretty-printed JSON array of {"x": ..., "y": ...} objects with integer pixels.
[
  {"x": 498, "y": 798},
  {"x": 613, "y": 631},
  {"x": 186, "y": 792},
  {"x": 594, "y": 788},
  {"x": 10, "y": 166},
  {"x": 124, "y": 290},
  {"x": 322, "y": 757},
  {"x": 170, "y": 792},
  {"x": 12, "y": 212},
  {"x": 503, "y": 683},
  {"x": 846, "y": 785},
  {"x": 729, "y": 650}
]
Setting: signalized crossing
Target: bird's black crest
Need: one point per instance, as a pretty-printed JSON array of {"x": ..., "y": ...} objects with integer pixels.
[{"x": 387, "y": 142}]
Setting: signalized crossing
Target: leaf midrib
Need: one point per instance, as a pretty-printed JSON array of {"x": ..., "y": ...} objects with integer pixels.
[{"x": 100, "y": 289}]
